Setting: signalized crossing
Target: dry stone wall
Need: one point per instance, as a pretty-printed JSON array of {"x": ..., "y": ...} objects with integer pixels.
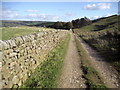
[{"x": 21, "y": 55}]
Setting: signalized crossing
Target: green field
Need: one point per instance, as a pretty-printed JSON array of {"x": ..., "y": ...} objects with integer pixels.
[{"x": 11, "y": 32}]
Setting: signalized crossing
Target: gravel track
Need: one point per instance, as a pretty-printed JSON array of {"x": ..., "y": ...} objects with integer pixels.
[{"x": 71, "y": 76}]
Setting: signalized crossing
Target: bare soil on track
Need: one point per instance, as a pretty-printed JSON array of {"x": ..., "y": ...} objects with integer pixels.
[{"x": 71, "y": 76}]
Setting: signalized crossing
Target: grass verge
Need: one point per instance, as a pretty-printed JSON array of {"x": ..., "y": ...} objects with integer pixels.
[
  {"x": 47, "y": 74},
  {"x": 90, "y": 74}
]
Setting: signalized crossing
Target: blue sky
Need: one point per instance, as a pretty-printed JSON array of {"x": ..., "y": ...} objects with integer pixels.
[{"x": 57, "y": 11}]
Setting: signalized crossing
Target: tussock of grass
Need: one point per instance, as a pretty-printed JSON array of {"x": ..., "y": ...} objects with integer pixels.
[
  {"x": 93, "y": 79},
  {"x": 47, "y": 74},
  {"x": 90, "y": 74}
]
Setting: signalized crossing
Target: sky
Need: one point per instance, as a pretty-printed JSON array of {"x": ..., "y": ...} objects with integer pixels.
[{"x": 57, "y": 11}]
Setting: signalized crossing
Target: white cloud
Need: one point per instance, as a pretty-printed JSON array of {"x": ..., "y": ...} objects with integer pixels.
[
  {"x": 69, "y": 14},
  {"x": 42, "y": 17},
  {"x": 9, "y": 14},
  {"x": 99, "y": 6},
  {"x": 95, "y": 17},
  {"x": 32, "y": 10},
  {"x": 106, "y": 15},
  {"x": 110, "y": 14}
]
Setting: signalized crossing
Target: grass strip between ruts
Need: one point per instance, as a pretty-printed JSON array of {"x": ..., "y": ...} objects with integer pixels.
[{"x": 90, "y": 74}]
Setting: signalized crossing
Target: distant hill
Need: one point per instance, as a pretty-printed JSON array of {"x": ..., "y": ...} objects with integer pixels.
[
  {"x": 107, "y": 23},
  {"x": 13, "y": 23},
  {"x": 97, "y": 24},
  {"x": 103, "y": 24},
  {"x": 109, "y": 17},
  {"x": 43, "y": 24}
]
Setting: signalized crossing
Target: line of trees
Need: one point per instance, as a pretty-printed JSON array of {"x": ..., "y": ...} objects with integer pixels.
[
  {"x": 62, "y": 25},
  {"x": 78, "y": 23}
]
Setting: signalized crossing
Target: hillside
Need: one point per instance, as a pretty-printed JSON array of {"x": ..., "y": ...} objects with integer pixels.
[
  {"x": 104, "y": 36},
  {"x": 13, "y": 23},
  {"x": 103, "y": 24}
]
